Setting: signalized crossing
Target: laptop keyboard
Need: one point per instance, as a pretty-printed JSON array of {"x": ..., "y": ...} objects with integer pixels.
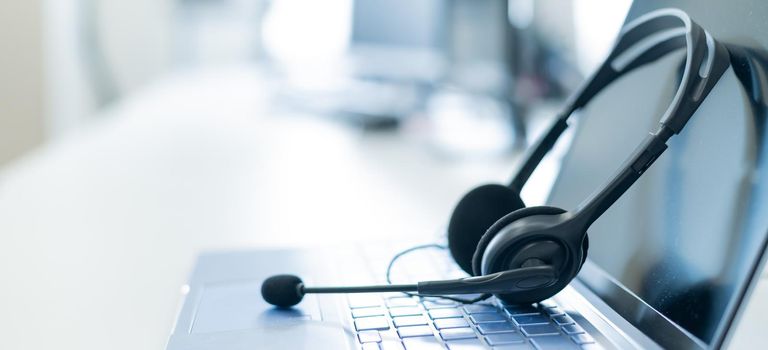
[{"x": 396, "y": 321}]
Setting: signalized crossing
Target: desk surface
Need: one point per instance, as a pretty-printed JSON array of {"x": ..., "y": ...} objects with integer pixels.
[{"x": 100, "y": 229}]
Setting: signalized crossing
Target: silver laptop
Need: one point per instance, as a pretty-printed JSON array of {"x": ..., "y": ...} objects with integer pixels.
[{"x": 670, "y": 265}]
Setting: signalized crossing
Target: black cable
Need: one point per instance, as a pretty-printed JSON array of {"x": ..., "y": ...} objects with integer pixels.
[{"x": 424, "y": 246}]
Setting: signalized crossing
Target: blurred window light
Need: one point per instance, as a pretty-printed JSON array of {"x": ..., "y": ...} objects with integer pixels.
[
  {"x": 597, "y": 23},
  {"x": 306, "y": 31}
]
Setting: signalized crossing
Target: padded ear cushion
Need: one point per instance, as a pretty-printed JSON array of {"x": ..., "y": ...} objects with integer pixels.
[
  {"x": 472, "y": 217},
  {"x": 503, "y": 222},
  {"x": 584, "y": 250}
]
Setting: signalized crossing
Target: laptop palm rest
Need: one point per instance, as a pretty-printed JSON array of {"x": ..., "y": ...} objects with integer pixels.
[
  {"x": 224, "y": 308},
  {"x": 239, "y": 306}
]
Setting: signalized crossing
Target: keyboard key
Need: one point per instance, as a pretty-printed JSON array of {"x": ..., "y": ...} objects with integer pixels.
[
  {"x": 409, "y": 321},
  {"x": 530, "y": 319},
  {"x": 554, "y": 311},
  {"x": 466, "y": 296},
  {"x": 414, "y": 331},
  {"x": 363, "y": 300},
  {"x": 553, "y": 343},
  {"x": 495, "y": 327},
  {"x": 572, "y": 329},
  {"x": 422, "y": 343},
  {"x": 391, "y": 345},
  {"x": 583, "y": 338},
  {"x": 482, "y": 318},
  {"x": 367, "y": 312},
  {"x": 517, "y": 346},
  {"x": 563, "y": 319},
  {"x": 504, "y": 338},
  {"x": 438, "y": 304},
  {"x": 521, "y": 310},
  {"x": 534, "y": 330},
  {"x": 444, "y": 313},
  {"x": 369, "y": 337},
  {"x": 466, "y": 344},
  {"x": 404, "y": 311},
  {"x": 371, "y": 323},
  {"x": 401, "y": 301},
  {"x": 479, "y": 309},
  {"x": 371, "y": 346},
  {"x": 547, "y": 303},
  {"x": 444, "y": 323},
  {"x": 457, "y": 333},
  {"x": 389, "y": 334}
]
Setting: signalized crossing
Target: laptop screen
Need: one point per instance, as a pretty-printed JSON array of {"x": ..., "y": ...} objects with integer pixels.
[{"x": 685, "y": 239}]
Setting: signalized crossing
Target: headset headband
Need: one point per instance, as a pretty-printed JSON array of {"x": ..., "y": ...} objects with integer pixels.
[{"x": 642, "y": 41}]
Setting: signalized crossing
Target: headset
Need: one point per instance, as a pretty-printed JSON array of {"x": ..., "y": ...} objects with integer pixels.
[{"x": 527, "y": 254}]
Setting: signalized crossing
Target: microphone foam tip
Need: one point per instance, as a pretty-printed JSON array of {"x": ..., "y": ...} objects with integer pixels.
[{"x": 282, "y": 290}]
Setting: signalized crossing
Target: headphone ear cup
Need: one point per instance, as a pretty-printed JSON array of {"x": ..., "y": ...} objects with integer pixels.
[
  {"x": 472, "y": 217},
  {"x": 477, "y": 257},
  {"x": 584, "y": 249}
]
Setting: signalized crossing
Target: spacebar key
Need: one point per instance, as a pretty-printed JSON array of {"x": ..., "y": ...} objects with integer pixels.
[{"x": 422, "y": 343}]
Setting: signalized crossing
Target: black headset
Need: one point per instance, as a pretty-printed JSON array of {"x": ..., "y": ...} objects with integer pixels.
[
  {"x": 491, "y": 230},
  {"x": 527, "y": 254}
]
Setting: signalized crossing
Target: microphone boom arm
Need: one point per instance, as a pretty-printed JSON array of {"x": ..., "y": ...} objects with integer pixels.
[
  {"x": 359, "y": 289},
  {"x": 509, "y": 281}
]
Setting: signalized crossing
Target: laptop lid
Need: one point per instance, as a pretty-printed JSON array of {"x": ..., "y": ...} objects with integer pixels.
[{"x": 676, "y": 255}]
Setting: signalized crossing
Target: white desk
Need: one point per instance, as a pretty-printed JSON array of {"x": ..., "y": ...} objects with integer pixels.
[{"x": 99, "y": 230}]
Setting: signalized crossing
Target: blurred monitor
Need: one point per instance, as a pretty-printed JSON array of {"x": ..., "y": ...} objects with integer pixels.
[
  {"x": 398, "y": 39},
  {"x": 417, "y": 24}
]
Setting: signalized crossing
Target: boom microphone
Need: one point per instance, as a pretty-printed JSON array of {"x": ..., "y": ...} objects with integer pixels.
[{"x": 288, "y": 290}]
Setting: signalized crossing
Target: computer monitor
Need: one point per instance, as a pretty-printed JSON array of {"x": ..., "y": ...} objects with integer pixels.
[
  {"x": 388, "y": 33},
  {"x": 399, "y": 23}
]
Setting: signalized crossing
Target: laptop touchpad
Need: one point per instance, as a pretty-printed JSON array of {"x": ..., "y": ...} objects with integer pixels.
[{"x": 239, "y": 306}]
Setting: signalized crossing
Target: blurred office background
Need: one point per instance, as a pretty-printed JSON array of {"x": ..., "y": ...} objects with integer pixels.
[
  {"x": 465, "y": 76},
  {"x": 136, "y": 134}
]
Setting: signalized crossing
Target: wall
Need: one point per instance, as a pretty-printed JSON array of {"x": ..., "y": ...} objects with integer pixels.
[
  {"x": 62, "y": 60},
  {"x": 97, "y": 51},
  {"x": 21, "y": 78}
]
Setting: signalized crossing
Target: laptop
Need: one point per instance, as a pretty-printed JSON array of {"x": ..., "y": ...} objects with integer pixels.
[{"x": 670, "y": 265}]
